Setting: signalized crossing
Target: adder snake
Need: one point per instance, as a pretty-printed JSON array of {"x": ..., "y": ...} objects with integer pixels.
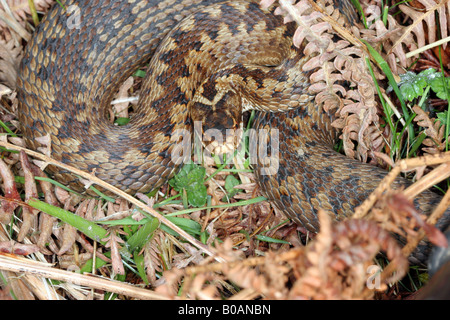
[{"x": 222, "y": 59}]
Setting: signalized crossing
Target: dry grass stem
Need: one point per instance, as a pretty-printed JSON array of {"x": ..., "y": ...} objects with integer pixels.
[
  {"x": 27, "y": 266},
  {"x": 406, "y": 165}
]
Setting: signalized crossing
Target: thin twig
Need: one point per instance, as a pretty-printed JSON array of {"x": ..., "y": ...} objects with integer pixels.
[
  {"x": 438, "y": 174},
  {"x": 27, "y": 266},
  {"x": 14, "y": 25},
  {"x": 415, "y": 23},
  {"x": 428, "y": 46},
  {"x": 365, "y": 207},
  {"x": 405, "y": 165}
]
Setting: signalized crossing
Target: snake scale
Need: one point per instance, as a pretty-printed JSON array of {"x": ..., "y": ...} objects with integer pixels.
[{"x": 220, "y": 59}]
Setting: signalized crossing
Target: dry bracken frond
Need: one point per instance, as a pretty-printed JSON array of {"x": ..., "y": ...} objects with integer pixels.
[
  {"x": 396, "y": 40},
  {"x": 434, "y": 130},
  {"x": 340, "y": 78},
  {"x": 333, "y": 266},
  {"x": 21, "y": 8}
]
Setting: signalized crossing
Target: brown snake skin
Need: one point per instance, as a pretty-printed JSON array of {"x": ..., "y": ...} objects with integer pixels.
[{"x": 221, "y": 60}]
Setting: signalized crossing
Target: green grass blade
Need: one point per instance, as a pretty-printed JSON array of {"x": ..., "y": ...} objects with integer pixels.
[
  {"x": 100, "y": 194},
  {"x": 270, "y": 239},
  {"x": 360, "y": 11},
  {"x": 228, "y": 205},
  {"x": 8, "y": 130},
  {"x": 417, "y": 143},
  {"x": 387, "y": 71},
  {"x": 387, "y": 109},
  {"x": 140, "y": 237},
  {"x": 87, "y": 267},
  {"x": 89, "y": 228}
]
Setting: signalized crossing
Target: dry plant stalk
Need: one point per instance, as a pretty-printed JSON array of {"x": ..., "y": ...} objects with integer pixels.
[
  {"x": 333, "y": 266},
  {"x": 17, "y": 264},
  {"x": 401, "y": 216}
]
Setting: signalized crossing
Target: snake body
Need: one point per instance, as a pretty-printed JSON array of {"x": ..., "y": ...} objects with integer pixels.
[{"x": 222, "y": 58}]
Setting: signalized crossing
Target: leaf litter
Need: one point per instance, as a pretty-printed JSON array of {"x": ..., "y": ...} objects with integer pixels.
[{"x": 332, "y": 264}]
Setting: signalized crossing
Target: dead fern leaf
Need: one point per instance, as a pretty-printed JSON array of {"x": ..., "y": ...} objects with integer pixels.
[
  {"x": 21, "y": 9},
  {"x": 394, "y": 40},
  {"x": 9, "y": 202},
  {"x": 121, "y": 109},
  {"x": 434, "y": 130},
  {"x": 17, "y": 248},
  {"x": 113, "y": 242},
  {"x": 10, "y": 56},
  {"x": 338, "y": 258},
  {"x": 29, "y": 216},
  {"x": 69, "y": 234},
  {"x": 332, "y": 63},
  {"x": 46, "y": 221},
  {"x": 428, "y": 19},
  {"x": 152, "y": 260}
]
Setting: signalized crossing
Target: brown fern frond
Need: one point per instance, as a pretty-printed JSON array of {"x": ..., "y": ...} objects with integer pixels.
[
  {"x": 21, "y": 9},
  {"x": 10, "y": 56},
  {"x": 428, "y": 20},
  {"x": 434, "y": 130},
  {"x": 395, "y": 40},
  {"x": 333, "y": 63}
]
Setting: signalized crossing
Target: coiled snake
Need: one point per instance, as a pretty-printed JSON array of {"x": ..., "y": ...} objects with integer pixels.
[{"x": 221, "y": 60}]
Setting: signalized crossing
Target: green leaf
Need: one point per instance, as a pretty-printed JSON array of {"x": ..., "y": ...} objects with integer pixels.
[
  {"x": 270, "y": 239},
  {"x": 197, "y": 194},
  {"x": 87, "y": 227},
  {"x": 87, "y": 267},
  {"x": 140, "y": 73},
  {"x": 412, "y": 85},
  {"x": 230, "y": 182},
  {"x": 144, "y": 233},
  {"x": 441, "y": 87},
  {"x": 191, "y": 179},
  {"x": 442, "y": 116},
  {"x": 122, "y": 121},
  {"x": 189, "y": 174},
  {"x": 190, "y": 226}
]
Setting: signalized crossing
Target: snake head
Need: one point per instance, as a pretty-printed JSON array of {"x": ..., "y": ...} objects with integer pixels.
[{"x": 218, "y": 122}]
